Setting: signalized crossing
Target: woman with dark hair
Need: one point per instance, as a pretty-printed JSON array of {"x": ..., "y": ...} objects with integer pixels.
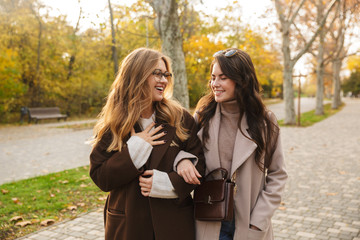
[
  {"x": 239, "y": 134},
  {"x": 140, "y": 134}
]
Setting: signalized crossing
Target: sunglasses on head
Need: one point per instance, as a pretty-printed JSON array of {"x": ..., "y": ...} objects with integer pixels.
[
  {"x": 228, "y": 53},
  {"x": 158, "y": 73}
]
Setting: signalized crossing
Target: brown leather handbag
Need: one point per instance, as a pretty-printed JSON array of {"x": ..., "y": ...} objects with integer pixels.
[{"x": 214, "y": 197}]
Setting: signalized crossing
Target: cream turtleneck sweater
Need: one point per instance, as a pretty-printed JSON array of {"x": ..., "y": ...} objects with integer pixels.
[{"x": 227, "y": 132}]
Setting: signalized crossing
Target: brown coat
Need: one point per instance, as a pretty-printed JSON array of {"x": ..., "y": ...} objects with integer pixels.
[
  {"x": 257, "y": 195},
  {"x": 128, "y": 214}
]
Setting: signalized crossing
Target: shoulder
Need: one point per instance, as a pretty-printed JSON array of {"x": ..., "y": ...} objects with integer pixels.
[
  {"x": 105, "y": 140},
  {"x": 273, "y": 119},
  {"x": 187, "y": 118}
]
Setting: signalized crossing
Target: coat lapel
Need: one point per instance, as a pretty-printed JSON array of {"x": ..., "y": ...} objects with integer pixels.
[
  {"x": 159, "y": 150},
  {"x": 243, "y": 146},
  {"x": 212, "y": 144}
]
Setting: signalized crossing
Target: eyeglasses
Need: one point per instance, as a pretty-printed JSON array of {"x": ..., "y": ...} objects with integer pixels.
[
  {"x": 158, "y": 74},
  {"x": 227, "y": 54}
]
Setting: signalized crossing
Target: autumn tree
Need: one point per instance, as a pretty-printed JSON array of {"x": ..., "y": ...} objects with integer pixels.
[
  {"x": 113, "y": 40},
  {"x": 347, "y": 13},
  {"x": 351, "y": 85},
  {"x": 287, "y": 14},
  {"x": 167, "y": 25}
]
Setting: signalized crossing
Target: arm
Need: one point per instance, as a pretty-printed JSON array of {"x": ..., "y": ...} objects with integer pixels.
[
  {"x": 110, "y": 170},
  {"x": 194, "y": 147},
  {"x": 186, "y": 168},
  {"x": 270, "y": 197},
  {"x": 156, "y": 184}
]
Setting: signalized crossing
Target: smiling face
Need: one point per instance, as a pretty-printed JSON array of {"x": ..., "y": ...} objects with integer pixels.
[
  {"x": 222, "y": 86},
  {"x": 157, "y": 82}
]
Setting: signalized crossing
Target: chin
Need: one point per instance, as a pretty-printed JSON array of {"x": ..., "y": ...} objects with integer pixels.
[
  {"x": 218, "y": 100},
  {"x": 158, "y": 99}
]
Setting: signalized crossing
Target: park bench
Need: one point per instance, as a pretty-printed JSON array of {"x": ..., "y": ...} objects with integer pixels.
[{"x": 40, "y": 113}]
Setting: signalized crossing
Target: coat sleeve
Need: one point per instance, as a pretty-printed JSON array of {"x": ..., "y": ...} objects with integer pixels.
[
  {"x": 110, "y": 170},
  {"x": 270, "y": 197},
  {"x": 193, "y": 146}
]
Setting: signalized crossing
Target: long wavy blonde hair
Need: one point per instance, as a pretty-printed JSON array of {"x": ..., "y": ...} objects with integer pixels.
[{"x": 130, "y": 95}]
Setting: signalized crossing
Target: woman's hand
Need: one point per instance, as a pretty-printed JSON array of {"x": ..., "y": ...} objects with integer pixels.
[
  {"x": 150, "y": 135},
  {"x": 187, "y": 170},
  {"x": 145, "y": 182}
]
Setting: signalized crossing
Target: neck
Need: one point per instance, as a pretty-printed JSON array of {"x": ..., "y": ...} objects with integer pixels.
[
  {"x": 147, "y": 112},
  {"x": 230, "y": 106}
]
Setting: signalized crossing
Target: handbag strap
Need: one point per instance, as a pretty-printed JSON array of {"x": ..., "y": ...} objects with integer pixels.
[{"x": 223, "y": 171}]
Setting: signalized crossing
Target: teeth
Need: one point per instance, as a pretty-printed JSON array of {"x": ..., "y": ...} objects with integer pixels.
[{"x": 159, "y": 88}]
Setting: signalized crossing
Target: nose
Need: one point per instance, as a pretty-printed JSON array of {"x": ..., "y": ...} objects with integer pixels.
[
  {"x": 163, "y": 79},
  {"x": 215, "y": 82}
]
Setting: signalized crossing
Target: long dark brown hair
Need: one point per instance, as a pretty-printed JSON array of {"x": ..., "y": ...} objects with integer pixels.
[{"x": 262, "y": 127}]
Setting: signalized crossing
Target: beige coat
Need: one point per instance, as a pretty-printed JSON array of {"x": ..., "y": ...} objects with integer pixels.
[{"x": 257, "y": 196}]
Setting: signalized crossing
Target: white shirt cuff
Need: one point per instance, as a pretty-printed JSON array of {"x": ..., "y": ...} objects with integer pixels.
[
  {"x": 162, "y": 186},
  {"x": 184, "y": 155},
  {"x": 139, "y": 150}
]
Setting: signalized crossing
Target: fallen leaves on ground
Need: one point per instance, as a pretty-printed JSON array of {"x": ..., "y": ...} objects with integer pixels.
[
  {"x": 4, "y": 191},
  {"x": 47, "y": 222},
  {"x": 102, "y": 198},
  {"x": 23, "y": 223},
  {"x": 72, "y": 208},
  {"x": 63, "y": 181},
  {"x": 84, "y": 177},
  {"x": 16, "y": 219},
  {"x": 16, "y": 201}
]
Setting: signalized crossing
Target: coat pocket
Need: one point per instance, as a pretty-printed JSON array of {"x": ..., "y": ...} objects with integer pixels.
[
  {"x": 115, "y": 224},
  {"x": 255, "y": 234}
]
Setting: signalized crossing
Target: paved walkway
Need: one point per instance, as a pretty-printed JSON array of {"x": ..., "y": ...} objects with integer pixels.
[
  {"x": 322, "y": 196},
  {"x": 41, "y": 149}
]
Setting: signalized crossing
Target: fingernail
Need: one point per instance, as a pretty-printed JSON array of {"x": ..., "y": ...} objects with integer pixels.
[
  {"x": 165, "y": 140},
  {"x": 165, "y": 132},
  {"x": 163, "y": 125}
]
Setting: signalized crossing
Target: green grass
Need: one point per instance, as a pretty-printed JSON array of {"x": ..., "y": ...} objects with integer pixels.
[
  {"x": 53, "y": 196},
  {"x": 309, "y": 118}
]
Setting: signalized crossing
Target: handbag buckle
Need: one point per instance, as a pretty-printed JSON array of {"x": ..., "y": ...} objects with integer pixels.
[{"x": 208, "y": 200}]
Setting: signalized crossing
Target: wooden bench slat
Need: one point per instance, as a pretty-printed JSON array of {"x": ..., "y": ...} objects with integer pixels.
[{"x": 45, "y": 113}]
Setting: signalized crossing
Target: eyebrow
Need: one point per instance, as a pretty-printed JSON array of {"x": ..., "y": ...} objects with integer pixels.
[{"x": 221, "y": 75}]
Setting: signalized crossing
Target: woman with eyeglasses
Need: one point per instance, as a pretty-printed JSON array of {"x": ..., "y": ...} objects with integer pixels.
[
  {"x": 239, "y": 134},
  {"x": 140, "y": 134}
]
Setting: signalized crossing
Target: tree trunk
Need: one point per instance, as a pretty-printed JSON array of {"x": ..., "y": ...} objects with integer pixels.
[
  {"x": 167, "y": 25},
  {"x": 113, "y": 41},
  {"x": 290, "y": 118},
  {"x": 336, "y": 101},
  {"x": 319, "y": 109},
  {"x": 340, "y": 54},
  {"x": 74, "y": 47},
  {"x": 37, "y": 71}
]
